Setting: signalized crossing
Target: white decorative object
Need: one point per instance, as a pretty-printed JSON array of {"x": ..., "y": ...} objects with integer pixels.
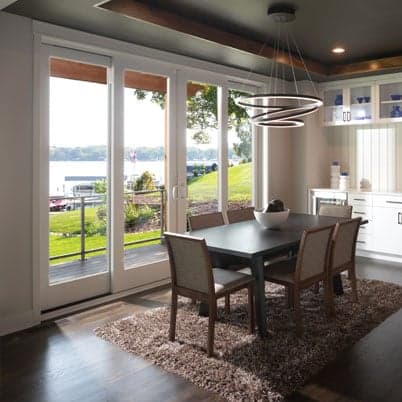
[
  {"x": 269, "y": 220},
  {"x": 344, "y": 181}
]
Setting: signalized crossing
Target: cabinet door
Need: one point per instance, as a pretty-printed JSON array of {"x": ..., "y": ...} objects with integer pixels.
[
  {"x": 387, "y": 230},
  {"x": 390, "y": 101},
  {"x": 361, "y": 105},
  {"x": 335, "y": 107}
]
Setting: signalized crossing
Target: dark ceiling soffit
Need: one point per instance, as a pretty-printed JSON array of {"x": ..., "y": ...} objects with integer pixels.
[{"x": 148, "y": 13}]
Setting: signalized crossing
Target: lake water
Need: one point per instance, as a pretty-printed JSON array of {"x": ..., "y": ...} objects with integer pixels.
[{"x": 60, "y": 170}]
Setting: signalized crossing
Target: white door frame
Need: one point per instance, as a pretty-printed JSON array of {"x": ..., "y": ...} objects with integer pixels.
[
  {"x": 123, "y": 279},
  {"x": 60, "y": 294}
]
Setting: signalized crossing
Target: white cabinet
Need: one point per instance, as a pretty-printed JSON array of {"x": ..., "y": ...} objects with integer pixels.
[
  {"x": 362, "y": 208},
  {"x": 348, "y": 105},
  {"x": 387, "y": 229},
  {"x": 390, "y": 101},
  {"x": 363, "y": 101}
]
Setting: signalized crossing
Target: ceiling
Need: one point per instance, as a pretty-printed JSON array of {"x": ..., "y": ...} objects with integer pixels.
[{"x": 368, "y": 29}]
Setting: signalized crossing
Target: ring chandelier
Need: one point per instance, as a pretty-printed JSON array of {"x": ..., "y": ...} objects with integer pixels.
[{"x": 280, "y": 109}]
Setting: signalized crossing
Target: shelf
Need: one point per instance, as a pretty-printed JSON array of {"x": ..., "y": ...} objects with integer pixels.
[
  {"x": 334, "y": 106},
  {"x": 361, "y": 104},
  {"x": 391, "y": 101}
]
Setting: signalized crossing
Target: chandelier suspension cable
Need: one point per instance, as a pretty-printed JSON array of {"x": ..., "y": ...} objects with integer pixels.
[
  {"x": 304, "y": 64},
  {"x": 291, "y": 63}
]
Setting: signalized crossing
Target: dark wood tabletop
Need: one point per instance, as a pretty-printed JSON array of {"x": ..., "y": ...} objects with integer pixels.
[{"x": 248, "y": 239}]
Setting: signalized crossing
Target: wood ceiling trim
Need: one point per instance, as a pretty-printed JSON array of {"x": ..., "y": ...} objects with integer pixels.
[
  {"x": 148, "y": 13},
  {"x": 369, "y": 66}
]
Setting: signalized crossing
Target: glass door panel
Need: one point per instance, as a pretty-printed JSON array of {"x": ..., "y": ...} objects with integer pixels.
[
  {"x": 78, "y": 166},
  {"x": 239, "y": 154},
  {"x": 73, "y": 172},
  {"x": 202, "y": 148},
  {"x": 360, "y": 104},
  {"x": 145, "y": 170},
  {"x": 334, "y": 106},
  {"x": 390, "y": 100}
]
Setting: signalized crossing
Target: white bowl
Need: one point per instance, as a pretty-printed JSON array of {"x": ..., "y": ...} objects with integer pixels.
[{"x": 270, "y": 220}]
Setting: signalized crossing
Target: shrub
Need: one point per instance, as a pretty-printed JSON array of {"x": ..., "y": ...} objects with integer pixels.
[
  {"x": 134, "y": 214},
  {"x": 145, "y": 182}
]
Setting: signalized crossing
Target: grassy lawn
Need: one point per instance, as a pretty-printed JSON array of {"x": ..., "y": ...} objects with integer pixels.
[
  {"x": 64, "y": 245},
  {"x": 65, "y": 226},
  {"x": 205, "y": 188}
]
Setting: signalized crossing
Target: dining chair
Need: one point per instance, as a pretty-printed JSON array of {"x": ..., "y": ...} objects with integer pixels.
[
  {"x": 337, "y": 211},
  {"x": 240, "y": 214},
  {"x": 343, "y": 252},
  {"x": 310, "y": 266},
  {"x": 204, "y": 221},
  {"x": 193, "y": 276}
]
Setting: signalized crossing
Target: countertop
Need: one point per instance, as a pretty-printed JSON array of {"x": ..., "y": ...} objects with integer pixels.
[{"x": 356, "y": 190}]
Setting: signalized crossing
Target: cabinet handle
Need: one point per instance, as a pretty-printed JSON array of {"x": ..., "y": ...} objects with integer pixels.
[
  {"x": 359, "y": 213},
  {"x": 349, "y": 115},
  {"x": 360, "y": 241},
  {"x": 399, "y": 218},
  {"x": 393, "y": 202},
  {"x": 344, "y": 116},
  {"x": 360, "y": 199}
]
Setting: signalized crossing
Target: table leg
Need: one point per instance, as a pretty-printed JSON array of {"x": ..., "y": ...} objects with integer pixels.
[{"x": 257, "y": 269}]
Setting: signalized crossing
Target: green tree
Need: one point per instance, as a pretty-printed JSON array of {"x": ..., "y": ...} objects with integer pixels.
[
  {"x": 145, "y": 182},
  {"x": 202, "y": 114},
  {"x": 100, "y": 186}
]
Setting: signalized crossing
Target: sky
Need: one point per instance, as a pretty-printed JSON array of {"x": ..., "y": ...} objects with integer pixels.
[{"x": 78, "y": 117}]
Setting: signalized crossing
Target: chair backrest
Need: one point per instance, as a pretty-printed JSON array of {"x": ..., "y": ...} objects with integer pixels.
[
  {"x": 240, "y": 215},
  {"x": 204, "y": 221},
  {"x": 337, "y": 211},
  {"x": 190, "y": 264},
  {"x": 314, "y": 251},
  {"x": 344, "y": 242}
]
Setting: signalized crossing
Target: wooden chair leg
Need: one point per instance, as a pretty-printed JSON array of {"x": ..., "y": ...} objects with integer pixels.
[
  {"x": 251, "y": 323},
  {"x": 227, "y": 303},
  {"x": 331, "y": 295},
  {"x": 297, "y": 312},
  {"x": 211, "y": 328},
  {"x": 353, "y": 283},
  {"x": 193, "y": 301},
  {"x": 328, "y": 299},
  {"x": 173, "y": 314},
  {"x": 289, "y": 296}
]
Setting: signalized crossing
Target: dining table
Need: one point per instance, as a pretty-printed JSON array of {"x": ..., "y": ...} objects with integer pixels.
[{"x": 254, "y": 244}]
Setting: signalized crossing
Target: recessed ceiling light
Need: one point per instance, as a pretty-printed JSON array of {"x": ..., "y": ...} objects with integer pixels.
[{"x": 338, "y": 50}]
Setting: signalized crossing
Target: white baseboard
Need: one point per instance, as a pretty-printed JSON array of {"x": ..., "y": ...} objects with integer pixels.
[
  {"x": 18, "y": 322},
  {"x": 379, "y": 256},
  {"x": 100, "y": 300}
]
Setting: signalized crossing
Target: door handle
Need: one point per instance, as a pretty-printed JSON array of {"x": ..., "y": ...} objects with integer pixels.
[
  {"x": 399, "y": 218},
  {"x": 175, "y": 194}
]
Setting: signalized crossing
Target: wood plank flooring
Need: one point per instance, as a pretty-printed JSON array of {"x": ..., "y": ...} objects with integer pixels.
[{"x": 63, "y": 361}]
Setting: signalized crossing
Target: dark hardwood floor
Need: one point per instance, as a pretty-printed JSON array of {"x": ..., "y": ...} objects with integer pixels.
[{"x": 63, "y": 361}]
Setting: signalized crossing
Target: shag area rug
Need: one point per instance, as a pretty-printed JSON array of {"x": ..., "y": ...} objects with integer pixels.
[{"x": 247, "y": 368}]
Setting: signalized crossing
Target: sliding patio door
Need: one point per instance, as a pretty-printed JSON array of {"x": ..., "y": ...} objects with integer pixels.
[
  {"x": 74, "y": 176},
  {"x": 218, "y": 169},
  {"x": 143, "y": 172}
]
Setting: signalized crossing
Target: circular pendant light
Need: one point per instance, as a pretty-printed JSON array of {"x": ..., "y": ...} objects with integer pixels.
[{"x": 279, "y": 109}]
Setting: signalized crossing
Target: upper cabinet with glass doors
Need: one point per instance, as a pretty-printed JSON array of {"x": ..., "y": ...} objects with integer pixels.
[
  {"x": 390, "y": 101},
  {"x": 350, "y": 105}
]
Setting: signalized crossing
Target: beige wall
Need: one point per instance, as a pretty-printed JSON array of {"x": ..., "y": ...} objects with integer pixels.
[{"x": 16, "y": 91}]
